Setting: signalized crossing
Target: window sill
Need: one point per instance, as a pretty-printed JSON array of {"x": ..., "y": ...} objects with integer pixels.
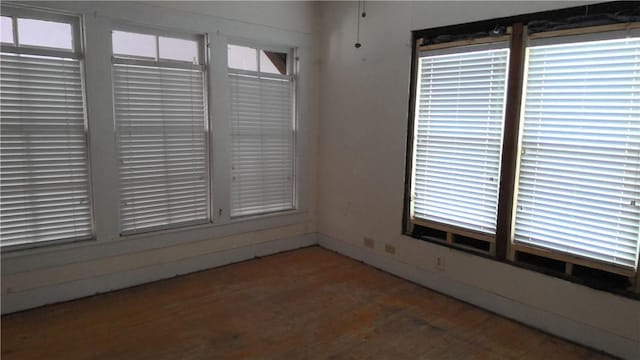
[
  {"x": 27, "y": 247},
  {"x": 603, "y": 280},
  {"x": 266, "y": 215}
]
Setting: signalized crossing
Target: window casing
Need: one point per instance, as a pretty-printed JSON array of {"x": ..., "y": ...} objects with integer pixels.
[
  {"x": 262, "y": 131},
  {"x": 570, "y": 172},
  {"x": 160, "y": 111},
  {"x": 45, "y": 182}
]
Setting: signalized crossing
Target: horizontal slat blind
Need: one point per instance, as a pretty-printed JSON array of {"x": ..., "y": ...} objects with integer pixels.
[
  {"x": 44, "y": 177},
  {"x": 160, "y": 118},
  {"x": 580, "y": 166},
  {"x": 459, "y": 122},
  {"x": 262, "y": 144}
]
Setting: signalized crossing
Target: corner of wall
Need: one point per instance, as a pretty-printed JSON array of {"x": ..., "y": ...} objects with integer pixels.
[{"x": 527, "y": 313}]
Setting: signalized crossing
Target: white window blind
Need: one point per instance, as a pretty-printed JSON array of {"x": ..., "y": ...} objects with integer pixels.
[
  {"x": 160, "y": 119},
  {"x": 579, "y": 182},
  {"x": 458, "y": 136},
  {"x": 44, "y": 176},
  {"x": 262, "y": 142}
]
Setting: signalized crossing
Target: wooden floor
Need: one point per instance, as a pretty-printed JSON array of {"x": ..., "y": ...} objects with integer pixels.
[{"x": 308, "y": 303}]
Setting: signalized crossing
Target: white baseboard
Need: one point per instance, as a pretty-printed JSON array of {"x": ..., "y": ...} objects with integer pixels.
[
  {"x": 525, "y": 313},
  {"x": 18, "y": 301}
]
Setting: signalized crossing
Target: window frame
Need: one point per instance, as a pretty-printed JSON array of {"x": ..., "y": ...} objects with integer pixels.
[
  {"x": 76, "y": 53},
  {"x": 487, "y": 44},
  {"x": 97, "y": 20},
  {"x": 203, "y": 66},
  {"x": 591, "y": 34},
  {"x": 13, "y": 12},
  {"x": 504, "y": 245},
  {"x": 293, "y": 76},
  {"x": 290, "y": 51},
  {"x": 200, "y": 39}
]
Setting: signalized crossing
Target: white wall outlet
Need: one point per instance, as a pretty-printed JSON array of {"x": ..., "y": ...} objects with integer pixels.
[
  {"x": 390, "y": 249},
  {"x": 369, "y": 242},
  {"x": 440, "y": 263}
]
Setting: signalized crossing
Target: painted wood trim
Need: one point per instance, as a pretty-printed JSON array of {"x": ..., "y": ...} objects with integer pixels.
[
  {"x": 106, "y": 281},
  {"x": 635, "y": 282},
  {"x": 575, "y": 260},
  {"x": 485, "y": 40},
  {"x": 407, "y": 209},
  {"x": 454, "y": 230},
  {"x": 585, "y": 30},
  {"x": 509, "y": 166}
]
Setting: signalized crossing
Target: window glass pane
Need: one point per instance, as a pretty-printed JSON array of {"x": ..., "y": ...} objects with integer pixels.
[
  {"x": 579, "y": 181},
  {"x": 6, "y": 31},
  {"x": 458, "y": 136},
  {"x": 45, "y": 174},
  {"x": 160, "y": 117},
  {"x": 178, "y": 49},
  {"x": 273, "y": 62},
  {"x": 262, "y": 144},
  {"x": 134, "y": 45},
  {"x": 242, "y": 57},
  {"x": 42, "y": 33}
]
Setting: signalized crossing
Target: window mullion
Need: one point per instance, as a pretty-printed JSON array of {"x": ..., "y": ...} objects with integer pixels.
[
  {"x": 14, "y": 24},
  {"x": 220, "y": 130},
  {"x": 510, "y": 141}
]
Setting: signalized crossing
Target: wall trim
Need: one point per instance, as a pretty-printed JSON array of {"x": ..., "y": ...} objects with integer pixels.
[
  {"x": 527, "y": 314},
  {"x": 13, "y": 302}
]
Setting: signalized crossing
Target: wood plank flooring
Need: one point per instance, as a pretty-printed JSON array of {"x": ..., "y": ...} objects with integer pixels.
[{"x": 304, "y": 304}]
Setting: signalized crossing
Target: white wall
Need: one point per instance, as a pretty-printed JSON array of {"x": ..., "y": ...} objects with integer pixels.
[
  {"x": 49, "y": 274},
  {"x": 362, "y": 138},
  {"x": 296, "y": 16}
]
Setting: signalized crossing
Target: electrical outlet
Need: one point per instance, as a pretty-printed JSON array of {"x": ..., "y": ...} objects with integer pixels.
[
  {"x": 368, "y": 242},
  {"x": 440, "y": 263},
  {"x": 390, "y": 249}
]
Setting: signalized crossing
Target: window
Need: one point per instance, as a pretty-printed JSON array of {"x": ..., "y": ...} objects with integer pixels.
[
  {"x": 41, "y": 33},
  {"x": 6, "y": 35},
  {"x": 162, "y": 131},
  {"x": 263, "y": 131},
  {"x": 178, "y": 49},
  {"x": 524, "y": 142},
  {"x": 579, "y": 182},
  {"x": 132, "y": 45},
  {"x": 242, "y": 58},
  {"x": 44, "y": 182},
  {"x": 458, "y": 134}
]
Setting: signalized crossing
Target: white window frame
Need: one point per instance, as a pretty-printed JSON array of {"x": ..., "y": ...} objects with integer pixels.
[
  {"x": 22, "y": 12},
  {"x": 203, "y": 65},
  {"x": 76, "y": 53},
  {"x": 98, "y": 20},
  {"x": 201, "y": 39},
  {"x": 293, "y": 75}
]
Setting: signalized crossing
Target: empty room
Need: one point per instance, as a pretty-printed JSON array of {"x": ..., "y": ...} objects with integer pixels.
[{"x": 320, "y": 179}]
